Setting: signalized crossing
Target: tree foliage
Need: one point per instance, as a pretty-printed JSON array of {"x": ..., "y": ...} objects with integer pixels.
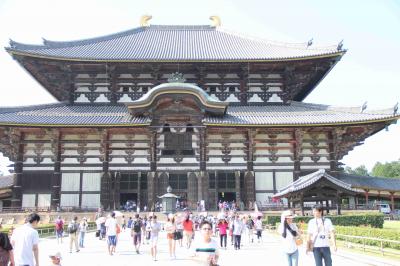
[
  {"x": 360, "y": 170},
  {"x": 389, "y": 169}
]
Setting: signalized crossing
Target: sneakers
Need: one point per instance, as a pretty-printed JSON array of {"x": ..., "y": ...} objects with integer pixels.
[{"x": 137, "y": 252}]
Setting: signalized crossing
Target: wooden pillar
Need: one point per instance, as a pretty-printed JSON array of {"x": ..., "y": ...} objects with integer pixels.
[
  {"x": 237, "y": 188},
  {"x": 192, "y": 190},
  {"x": 151, "y": 190},
  {"x": 56, "y": 179},
  {"x": 139, "y": 202},
  {"x": 366, "y": 198},
  {"x": 200, "y": 186},
  {"x": 16, "y": 139},
  {"x": 392, "y": 201},
  {"x": 302, "y": 204},
  {"x": 297, "y": 149},
  {"x": 327, "y": 206},
  {"x": 339, "y": 203},
  {"x": 106, "y": 175},
  {"x": 153, "y": 151},
  {"x": 249, "y": 178}
]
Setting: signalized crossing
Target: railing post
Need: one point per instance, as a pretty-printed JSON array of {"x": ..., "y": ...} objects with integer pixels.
[
  {"x": 363, "y": 239},
  {"x": 382, "y": 248}
]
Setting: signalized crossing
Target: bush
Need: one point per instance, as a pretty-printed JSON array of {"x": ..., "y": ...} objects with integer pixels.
[
  {"x": 386, "y": 234},
  {"x": 371, "y": 220}
]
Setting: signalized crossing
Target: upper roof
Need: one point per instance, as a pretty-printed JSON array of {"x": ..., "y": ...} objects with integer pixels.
[
  {"x": 6, "y": 181},
  {"x": 89, "y": 115},
  {"x": 174, "y": 43}
]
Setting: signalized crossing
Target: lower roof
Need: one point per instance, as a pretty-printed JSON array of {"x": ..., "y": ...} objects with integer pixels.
[{"x": 99, "y": 115}]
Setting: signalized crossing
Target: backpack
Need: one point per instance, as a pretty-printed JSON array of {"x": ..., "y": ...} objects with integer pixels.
[
  {"x": 72, "y": 228},
  {"x": 136, "y": 226},
  {"x": 250, "y": 224},
  {"x": 59, "y": 225}
]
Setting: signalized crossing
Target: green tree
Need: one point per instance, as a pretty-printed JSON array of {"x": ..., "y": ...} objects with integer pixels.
[
  {"x": 360, "y": 170},
  {"x": 389, "y": 169}
]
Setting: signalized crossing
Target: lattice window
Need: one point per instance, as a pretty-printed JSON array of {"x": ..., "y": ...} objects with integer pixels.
[{"x": 178, "y": 143}]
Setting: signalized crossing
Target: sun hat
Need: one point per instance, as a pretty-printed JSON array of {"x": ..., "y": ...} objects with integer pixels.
[
  {"x": 287, "y": 214},
  {"x": 55, "y": 254}
]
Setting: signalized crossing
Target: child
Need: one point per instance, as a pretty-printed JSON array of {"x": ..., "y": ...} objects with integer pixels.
[{"x": 55, "y": 259}]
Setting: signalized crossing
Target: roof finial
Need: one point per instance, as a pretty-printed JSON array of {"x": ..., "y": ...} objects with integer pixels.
[
  {"x": 340, "y": 45},
  {"x": 216, "y": 21},
  {"x": 310, "y": 42},
  {"x": 363, "y": 107},
  {"x": 395, "y": 108},
  {"x": 144, "y": 20}
]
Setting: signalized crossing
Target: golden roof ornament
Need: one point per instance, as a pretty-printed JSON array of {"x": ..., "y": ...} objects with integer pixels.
[
  {"x": 176, "y": 77},
  {"x": 144, "y": 20},
  {"x": 216, "y": 21}
]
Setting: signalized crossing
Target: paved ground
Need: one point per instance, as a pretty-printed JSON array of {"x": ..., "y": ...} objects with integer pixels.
[{"x": 266, "y": 253}]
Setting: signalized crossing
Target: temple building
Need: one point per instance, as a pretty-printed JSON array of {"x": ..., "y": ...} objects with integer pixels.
[{"x": 214, "y": 114}]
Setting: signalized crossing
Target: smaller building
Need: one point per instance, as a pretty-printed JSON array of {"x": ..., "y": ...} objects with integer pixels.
[
  {"x": 6, "y": 184},
  {"x": 341, "y": 190}
]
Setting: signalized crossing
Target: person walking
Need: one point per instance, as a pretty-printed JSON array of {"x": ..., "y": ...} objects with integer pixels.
[
  {"x": 111, "y": 232},
  {"x": 59, "y": 226},
  {"x": 238, "y": 228},
  {"x": 289, "y": 233},
  {"x": 222, "y": 228},
  {"x": 82, "y": 231},
  {"x": 259, "y": 228},
  {"x": 123, "y": 223},
  {"x": 155, "y": 229},
  {"x": 179, "y": 231},
  {"x": 170, "y": 228},
  {"x": 205, "y": 249},
  {"x": 6, "y": 250},
  {"x": 188, "y": 230},
  {"x": 250, "y": 227},
  {"x": 136, "y": 232},
  {"x": 25, "y": 242},
  {"x": 320, "y": 230},
  {"x": 73, "y": 228}
]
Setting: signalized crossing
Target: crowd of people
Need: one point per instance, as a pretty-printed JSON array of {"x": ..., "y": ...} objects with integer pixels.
[{"x": 21, "y": 246}]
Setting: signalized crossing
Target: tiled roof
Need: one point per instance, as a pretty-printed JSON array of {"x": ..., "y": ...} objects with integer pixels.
[
  {"x": 370, "y": 182},
  {"x": 6, "y": 181},
  {"x": 309, "y": 180},
  {"x": 297, "y": 113},
  {"x": 70, "y": 115},
  {"x": 60, "y": 114},
  {"x": 174, "y": 43}
]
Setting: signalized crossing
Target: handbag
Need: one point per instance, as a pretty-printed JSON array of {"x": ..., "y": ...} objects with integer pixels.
[{"x": 299, "y": 241}]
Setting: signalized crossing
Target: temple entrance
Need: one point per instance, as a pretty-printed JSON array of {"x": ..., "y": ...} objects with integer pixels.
[
  {"x": 128, "y": 201},
  {"x": 226, "y": 196}
]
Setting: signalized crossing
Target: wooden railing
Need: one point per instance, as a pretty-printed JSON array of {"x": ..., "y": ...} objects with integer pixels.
[{"x": 365, "y": 246}]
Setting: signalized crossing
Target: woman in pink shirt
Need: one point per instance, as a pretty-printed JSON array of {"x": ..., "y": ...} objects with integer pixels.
[{"x": 222, "y": 226}]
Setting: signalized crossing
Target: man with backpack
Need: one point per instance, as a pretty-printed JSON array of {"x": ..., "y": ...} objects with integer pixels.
[
  {"x": 59, "y": 225},
  {"x": 250, "y": 228},
  {"x": 136, "y": 232},
  {"x": 73, "y": 227}
]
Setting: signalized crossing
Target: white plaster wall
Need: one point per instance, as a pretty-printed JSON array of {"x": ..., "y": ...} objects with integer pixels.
[
  {"x": 70, "y": 181},
  {"x": 82, "y": 99},
  {"x": 91, "y": 181},
  {"x": 44, "y": 200},
  {"x": 28, "y": 200},
  {"x": 69, "y": 200},
  {"x": 90, "y": 200},
  {"x": 283, "y": 179},
  {"x": 264, "y": 180}
]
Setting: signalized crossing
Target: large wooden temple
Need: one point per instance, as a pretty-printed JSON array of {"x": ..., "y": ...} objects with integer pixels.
[{"x": 214, "y": 114}]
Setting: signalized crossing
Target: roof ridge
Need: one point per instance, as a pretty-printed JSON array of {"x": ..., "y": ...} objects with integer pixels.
[
  {"x": 302, "y": 45},
  {"x": 10, "y": 109}
]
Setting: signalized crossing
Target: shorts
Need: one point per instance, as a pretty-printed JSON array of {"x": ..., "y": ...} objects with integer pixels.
[
  {"x": 112, "y": 240},
  {"x": 170, "y": 236},
  {"x": 59, "y": 233},
  {"x": 153, "y": 240},
  {"x": 137, "y": 238},
  {"x": 259, "y": 233}
]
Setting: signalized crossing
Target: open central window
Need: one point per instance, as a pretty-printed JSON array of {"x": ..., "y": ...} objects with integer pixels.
[{"x": 177, "y": 143}]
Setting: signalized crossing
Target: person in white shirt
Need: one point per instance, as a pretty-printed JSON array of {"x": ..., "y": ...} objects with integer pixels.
[
  {"x": 111, "y": 231},
  {"x": 259, "y": 228},
  {"x": 155, "y": 228},
  {"x": 205, "y": 249},
  {"x": 289, "y": 232},
  {"x": 319, "y": 231},
  {"x": 238, "y": 228},
  {"x": 25, "y": 241}
]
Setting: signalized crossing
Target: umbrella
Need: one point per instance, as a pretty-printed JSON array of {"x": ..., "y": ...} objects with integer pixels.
[{"x": 118, "y": 213}]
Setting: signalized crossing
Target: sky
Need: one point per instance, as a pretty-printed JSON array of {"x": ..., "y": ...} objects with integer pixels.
[{"x": 370, "y": 30}]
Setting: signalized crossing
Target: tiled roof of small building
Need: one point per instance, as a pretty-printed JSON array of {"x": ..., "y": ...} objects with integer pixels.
[
  {"x": 295, "y": 114},
  {"x": 310, "y": 179},
  {"x": 174, "y": 43},
  {"x": 6, "y": 181}
]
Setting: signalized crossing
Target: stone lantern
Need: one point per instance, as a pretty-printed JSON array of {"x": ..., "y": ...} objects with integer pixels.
[{"x": 169, "y": 201}]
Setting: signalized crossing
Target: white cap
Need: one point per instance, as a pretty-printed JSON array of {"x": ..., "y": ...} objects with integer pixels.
[{"x": 55, "y": 254}]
